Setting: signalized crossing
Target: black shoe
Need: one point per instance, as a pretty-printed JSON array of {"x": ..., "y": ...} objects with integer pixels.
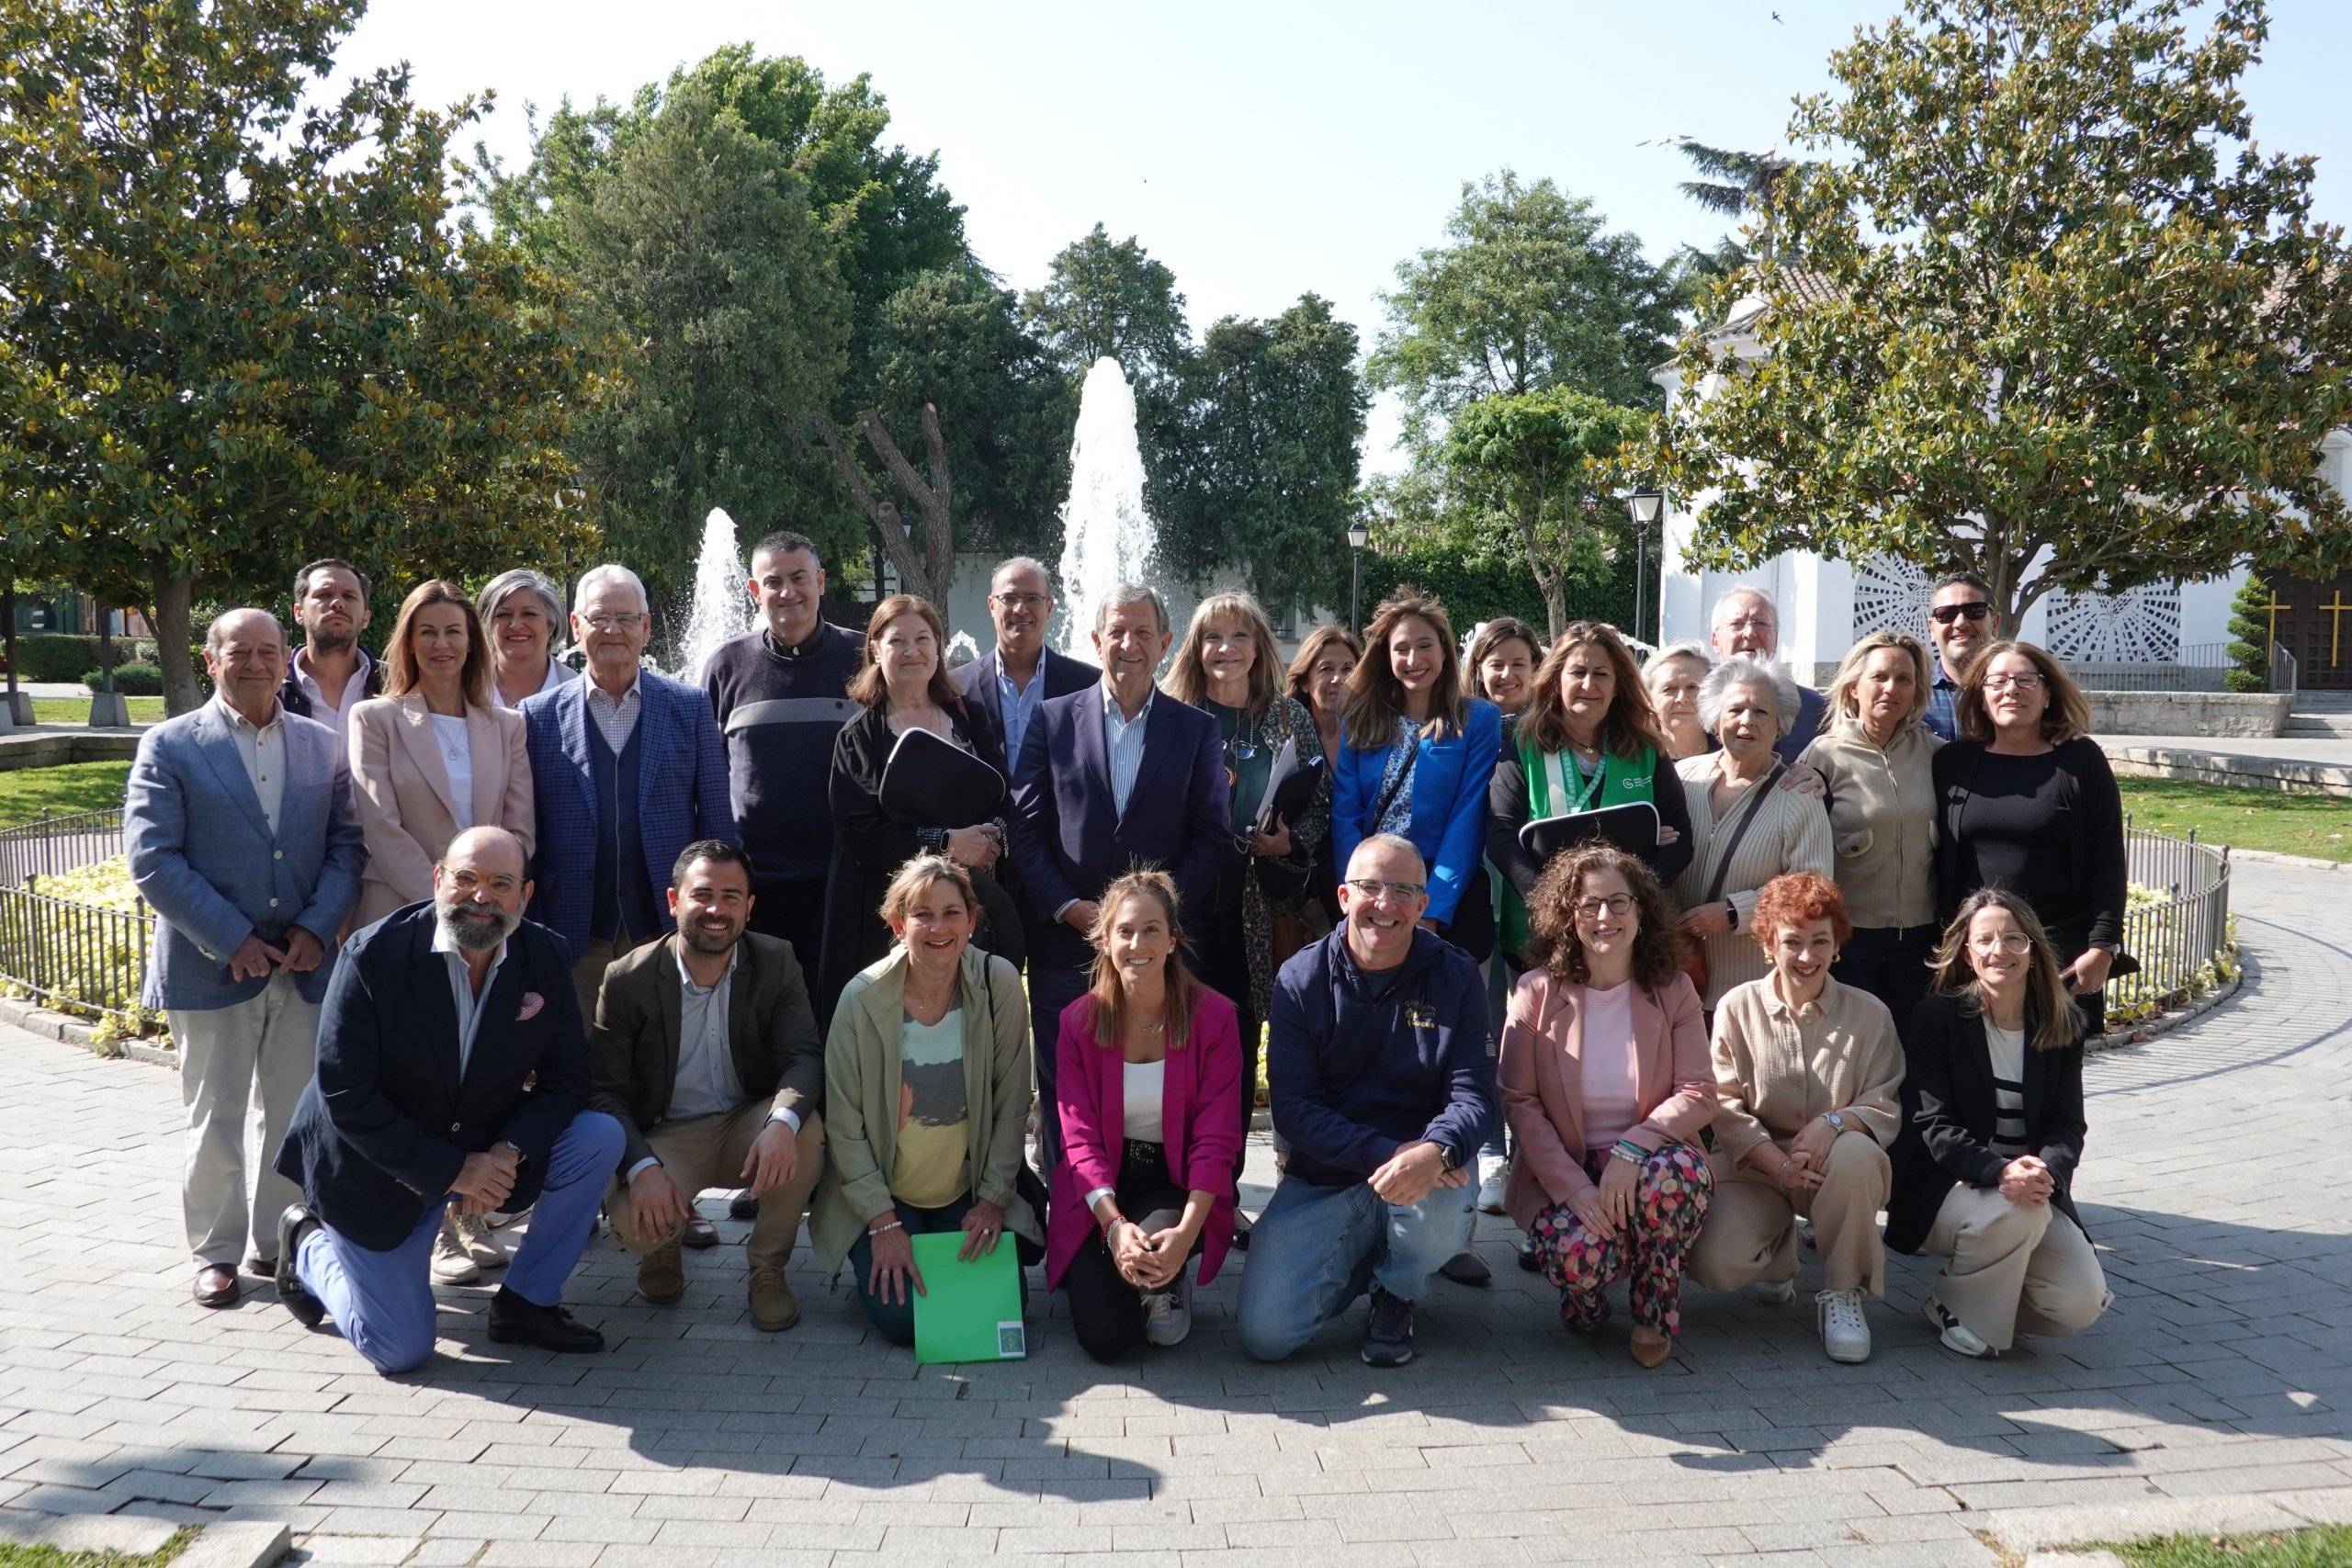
[
  {"x": 1388, "y": 1338},
  {"x": 1527, "y": 1257},
  {"x": 513, "y": 1321},
  {"x": 1240, "y": 1231},
  {"x": 700, "y": 1232},
  {"x": 295, "y": 1224},
  {"x": 743, "y": 1206},
  {"x": 1467, "y": 1269}
]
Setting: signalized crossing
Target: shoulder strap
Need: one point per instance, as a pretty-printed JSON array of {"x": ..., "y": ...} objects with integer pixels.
[
  {"x": 1389, "y": 794},
  {"x": 1749, "y": 810}
]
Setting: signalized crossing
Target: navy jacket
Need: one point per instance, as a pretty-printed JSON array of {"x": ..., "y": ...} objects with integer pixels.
[
  {"x": 386, "y": 1123},
  {"x": 1061, "y": 673},
  {"x": 1360, "y": 1062},
  {"x": 1068, "y": 843}
]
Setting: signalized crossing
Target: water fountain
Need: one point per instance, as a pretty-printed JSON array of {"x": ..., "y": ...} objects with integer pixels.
[
  {"x": 721, "y": 609},
  {"x": 1107, "y": 537}
]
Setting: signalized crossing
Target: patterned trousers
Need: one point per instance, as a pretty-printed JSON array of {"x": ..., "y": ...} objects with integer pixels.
[{"x": 1670, "y": 1201}]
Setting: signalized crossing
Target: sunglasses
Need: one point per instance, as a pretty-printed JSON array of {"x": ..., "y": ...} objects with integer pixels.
[{"x": 1945, "y": 615}]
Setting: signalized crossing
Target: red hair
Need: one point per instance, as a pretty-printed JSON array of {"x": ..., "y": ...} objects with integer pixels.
[{"x": 1800, "y": 898}]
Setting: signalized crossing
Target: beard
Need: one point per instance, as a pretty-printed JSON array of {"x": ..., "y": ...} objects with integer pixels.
[
  {"x": 329, "y": 641},
  {"x": 475, "y": 928},
  {"x": 709, "y": 943}
]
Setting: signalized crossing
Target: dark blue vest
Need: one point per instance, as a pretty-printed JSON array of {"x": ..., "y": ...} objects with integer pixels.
[{"x": 622, "y": 908}]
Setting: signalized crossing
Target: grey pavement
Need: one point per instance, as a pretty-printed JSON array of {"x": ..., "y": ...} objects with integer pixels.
[{"x": 2218, "y": 1184}]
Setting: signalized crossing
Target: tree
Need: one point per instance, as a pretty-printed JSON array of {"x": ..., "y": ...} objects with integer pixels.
[
  {"x": 1539, "y": 463},
  {"x": 2048, "y": 316},
  {"x": 236, "y": 332},
  {"x": 2250, "y": 627}
]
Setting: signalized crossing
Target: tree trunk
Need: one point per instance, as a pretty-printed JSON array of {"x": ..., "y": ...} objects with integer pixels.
[
  {"x": 923, "y": 568},
  {"x": 174, "y": 593}
]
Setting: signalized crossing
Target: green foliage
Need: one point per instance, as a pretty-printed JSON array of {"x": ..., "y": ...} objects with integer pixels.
[
  {"x": 2250, "y": 629},
  {"x": 81, "y": 963},
  {"x": 237, "y": 333},
  {"x": 25, "y": 792},
  {"x": 12, "y": 1555},
  {"x": 2296, "y": 824},
  {"x": 2047, "y": 286},
  {"x": 63, "y": 656},
  {"x": 2329, "y": 1547},
  {"x": 130, "y": 680}
]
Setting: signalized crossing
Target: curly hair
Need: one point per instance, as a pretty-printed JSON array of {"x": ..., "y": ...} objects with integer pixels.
[
  {"x": 1553, "y": 945},
  {"x": 1799, "y": 898}
]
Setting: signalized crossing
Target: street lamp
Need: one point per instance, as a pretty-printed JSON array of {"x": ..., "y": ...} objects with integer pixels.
[
  {"x": 1359, "y": 536},
  {"x": 1645, "y": 506}
]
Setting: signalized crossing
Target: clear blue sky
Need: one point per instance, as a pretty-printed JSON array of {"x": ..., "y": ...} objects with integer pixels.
[{"x": 1267, "y": 149}]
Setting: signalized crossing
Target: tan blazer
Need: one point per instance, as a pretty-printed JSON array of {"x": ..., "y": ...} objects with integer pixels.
[
  {"x": 401, "y": 790},
  {"x": 1541, "y": 1070}
]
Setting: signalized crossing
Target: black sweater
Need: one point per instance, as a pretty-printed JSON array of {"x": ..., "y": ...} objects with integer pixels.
[
  {"x": 2048, "y": 827},
  {"x": 779, "y": 711}
]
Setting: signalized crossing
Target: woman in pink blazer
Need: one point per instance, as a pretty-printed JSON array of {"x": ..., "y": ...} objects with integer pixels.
[
  {"x": 1607, "y": 1085},
  {"x": 1149, "y": 1096},
  {"x": 432, "y": 756}
]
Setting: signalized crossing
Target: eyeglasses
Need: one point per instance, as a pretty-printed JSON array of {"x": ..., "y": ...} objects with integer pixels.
[
  {"x": 1945, "y": 615},
  {"x": 2024, "y": 681},
  {"x": 612, "y": 623},
  {"x": 1618, "y": 904},
  {"x": 502, "y": 885},
  {"x": 2014, "y": 943},
  {"x": 1018, "y": 600},
  {"x": 1372, "y": 887}
]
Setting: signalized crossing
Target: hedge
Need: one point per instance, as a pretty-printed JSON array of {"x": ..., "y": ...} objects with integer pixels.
[
  {"x": 130, "y": 680},
  {"x": 65, "y": 656}
]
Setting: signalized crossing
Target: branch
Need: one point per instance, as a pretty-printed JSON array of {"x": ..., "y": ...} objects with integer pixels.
[{"x": 889, "y": 531}]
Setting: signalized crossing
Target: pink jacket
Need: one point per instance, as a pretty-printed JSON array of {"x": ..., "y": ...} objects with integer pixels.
[
  {"x": 1543, "y": 1085},
  {"x": 1200, "y": 1117}
]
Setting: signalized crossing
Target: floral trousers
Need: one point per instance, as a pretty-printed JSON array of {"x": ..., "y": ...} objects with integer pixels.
[{"x": 1670, "y": 1201}]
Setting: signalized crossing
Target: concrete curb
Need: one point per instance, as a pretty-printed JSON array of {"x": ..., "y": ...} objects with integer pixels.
[
  {"x": 2035, "y": 1530},
  {"x": 128, "y": 1535},
  {"x": 2165, "y": 1022},
  {"x": 252, "y": 1543},
  {"x": 68, "y": 1029},
  {"x": 2279, "y": 857},
  {"x": 2073, "y": 1559}
]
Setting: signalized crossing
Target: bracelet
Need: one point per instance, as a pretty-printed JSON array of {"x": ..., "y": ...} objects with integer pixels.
[
  {"x": 1627, "y": 1149},
  {"x": 1115, "y": 1222},
  {"x": 876, "y": 1231}
]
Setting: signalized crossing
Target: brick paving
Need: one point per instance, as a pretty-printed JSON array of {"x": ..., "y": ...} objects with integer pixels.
[{"x": 2217, "y": 1183}]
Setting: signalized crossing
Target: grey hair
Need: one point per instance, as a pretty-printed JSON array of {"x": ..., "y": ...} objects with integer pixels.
[
  {"x": 1748, "y": 591},
  {"x": 1688, "y": 647},
  {"x": 212, "y": 628},
  {"x": 523, "y": 579},
  {"x": 1389, "y": 842},
  {"x": 611, "y": 571},
  {"x": 1745, "y": 670},
  {"x": 1123, "y": 594},
  {"x": 1024, "y": 563}
]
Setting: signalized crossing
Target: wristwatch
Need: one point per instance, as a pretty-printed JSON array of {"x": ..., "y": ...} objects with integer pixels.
[
  {"x": 1836, "y": 1122},
  {"x": 1448, "y": 1158},
  {"x": 1730, "y": 915}
]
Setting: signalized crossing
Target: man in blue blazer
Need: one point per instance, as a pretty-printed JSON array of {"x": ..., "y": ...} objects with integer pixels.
[
  {"x": 627, "y": 769},
  {"x": 1110, "y": 778},
  {"x": 453, "y": 1067},
  {"x": 239, "y": 825}
]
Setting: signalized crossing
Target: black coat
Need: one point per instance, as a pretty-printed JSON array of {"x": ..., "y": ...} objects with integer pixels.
[
  {"x": 386, "y": 1123},
  {"x": 1948, "y": 1116}
]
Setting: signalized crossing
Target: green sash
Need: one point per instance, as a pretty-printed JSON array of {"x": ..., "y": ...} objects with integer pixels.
[{"x": 1556, "y": 788}]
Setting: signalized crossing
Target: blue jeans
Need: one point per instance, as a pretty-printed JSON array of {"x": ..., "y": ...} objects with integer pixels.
[
  {"x": 1315, "y": 1248},
  {"x": 383, "y": 1300},
  {"x": 895, "y": 1321}
]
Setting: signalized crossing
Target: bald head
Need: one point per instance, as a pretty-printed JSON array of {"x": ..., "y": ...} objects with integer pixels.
[
  {"x": 244, "y": 653},
  {"x": 478, "y": 888}
]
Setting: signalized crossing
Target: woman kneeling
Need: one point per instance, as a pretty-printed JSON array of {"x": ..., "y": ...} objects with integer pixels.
[
  {"x": 1607, "y": 1087},
  {"x": 1984, "y": 1171},
  {"x": 1150, "y": 1093}
]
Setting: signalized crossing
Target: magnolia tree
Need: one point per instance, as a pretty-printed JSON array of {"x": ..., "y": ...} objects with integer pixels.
[{"x": 2043, "y": 312}]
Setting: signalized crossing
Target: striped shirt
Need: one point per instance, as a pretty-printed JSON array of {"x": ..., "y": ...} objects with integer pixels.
[
  {"x": 1791, "y": 833},
  {"x": 2006, "y": 1050}
]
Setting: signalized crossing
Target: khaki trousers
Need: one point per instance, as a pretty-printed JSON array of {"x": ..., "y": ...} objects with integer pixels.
[
  {"x": 265, "y": 1048},
  {"x": 2014, "y": 1266},
  {"x": 1751, "y": 1229},
  {"x": 704, "y": 1152},
  {"x": 588, "y": 975}
]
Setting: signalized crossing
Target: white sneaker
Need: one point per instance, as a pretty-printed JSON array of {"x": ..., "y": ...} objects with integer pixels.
[
  {"x": 1493, "y": 1174},
  {"x": 473, "y": 1235},
  {"x": 1956, "y": 1336},
  {"x": 1775, "y": 1293},
  {"x": 1845, "y": 1333},
  {"x": 450, "y": 1264},
  {"x": 1168, "y": 1315}
]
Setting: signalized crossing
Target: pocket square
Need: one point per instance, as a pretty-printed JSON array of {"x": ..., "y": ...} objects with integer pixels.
[{"x": 532, "y": 1003}]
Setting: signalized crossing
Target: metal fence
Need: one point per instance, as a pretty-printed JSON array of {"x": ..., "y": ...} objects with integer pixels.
[
  {"x": 2201, "y": 667},
  {"x": 2181, "y": 935},
  {"x": 56, "y": 842},
  {"x": 81, "y": 957}
]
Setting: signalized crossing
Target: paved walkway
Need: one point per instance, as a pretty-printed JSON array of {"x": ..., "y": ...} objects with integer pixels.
[{"x": 2218, "y": 1184}]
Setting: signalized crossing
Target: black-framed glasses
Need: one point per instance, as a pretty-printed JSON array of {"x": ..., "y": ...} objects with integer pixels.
[
  {"x": 1618, "y": 904},
  {"x": 1372, "y": 887},
  {"x": 1945, "y": 615}
]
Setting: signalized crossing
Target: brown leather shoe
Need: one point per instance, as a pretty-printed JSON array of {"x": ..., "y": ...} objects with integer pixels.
[
  {"x": 773, "y": 1308},
  {"x": 1649, "y": 1346},
  {"x": 662, "y": 1275},
  {"x": 216, "y": 1285},
  {"x": 700, "y": 1232}
]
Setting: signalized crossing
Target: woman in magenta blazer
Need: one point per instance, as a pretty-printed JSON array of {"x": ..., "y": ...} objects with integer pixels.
[
  {"x": 1149, "y": 1096},
  {"x": 1607, "y": 1084}
]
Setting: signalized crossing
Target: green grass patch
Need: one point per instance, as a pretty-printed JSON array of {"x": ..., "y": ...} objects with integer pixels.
[
  {"x": 2326, "y": 1548},
  {"x": 2315, "y": 825},
  {"x": 76, "y": 710},
  {"x": 25, "y": 793},
  {"x": 15, "y": 1556}
]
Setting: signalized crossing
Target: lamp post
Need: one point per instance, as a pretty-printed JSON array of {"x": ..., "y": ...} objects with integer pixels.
[
  {"x": 1359, "y": 535},
  {"x": 1645, "y": 506}
]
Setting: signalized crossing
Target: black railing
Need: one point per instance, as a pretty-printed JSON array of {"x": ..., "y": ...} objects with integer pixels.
[
  {"x": 2177, "y": 924},
  {"x": 81, "y": 957},
  {"x": 57, "y": 841},
  {"x": 2201, "y": 667}
]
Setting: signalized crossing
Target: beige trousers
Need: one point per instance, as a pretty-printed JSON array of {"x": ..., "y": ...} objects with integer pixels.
[
  {"x": 1750, "y": 1232},
  {"x": 709, "y": 1151},
  {"x": 265, "y": 1049},
  {"x": 2014, "y": 1266}
]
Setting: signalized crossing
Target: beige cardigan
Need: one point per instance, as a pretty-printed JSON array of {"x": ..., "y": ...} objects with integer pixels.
[
  {"x": 401, "y": 789},
  {"x": 861, "y": 1108},
  {"x": 1776, "y": 1069},
  {"x": 1791, "y": 833},
  {"x": 1881, "y": 819}
]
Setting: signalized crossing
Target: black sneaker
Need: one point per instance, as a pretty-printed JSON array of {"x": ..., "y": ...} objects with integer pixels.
[
  {"x": 514, "y": 1321},
  {"x": 295, "y": 1224},
  {"x": 743, "y": 1206},
  {"x": 1527, "y": 1258},
  {"x": 1388, "y": 1338},
  {"x": 1467, "y": 1269}
]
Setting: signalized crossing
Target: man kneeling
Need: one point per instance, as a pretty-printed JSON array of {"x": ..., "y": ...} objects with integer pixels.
[
  {"x": 1383, "y": 1083},
  {"x": 436, "y": 1020}
]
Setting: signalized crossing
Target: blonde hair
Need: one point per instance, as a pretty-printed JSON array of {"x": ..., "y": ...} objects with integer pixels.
[
  {"x": 402, "y": 673},
  {"x": 1188, "y": 684},
  {"x": 1842, "y": 700},
  {"x": 919, "y": 876},
  {"x": 1376, "y": 697},
  {"x": 1107, "y": 993}
]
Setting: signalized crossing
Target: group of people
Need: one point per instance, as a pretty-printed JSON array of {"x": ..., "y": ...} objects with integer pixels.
[{"x": 842, "y": 928}]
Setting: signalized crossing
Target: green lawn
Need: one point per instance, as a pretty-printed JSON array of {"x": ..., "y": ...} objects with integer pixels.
[
  {"x": 2317, "y": 825},
  {"x": 77, "y": 786},
  {"x": 15, "y": 1556},
  {"x": 2329, "y": 1548},
  {"x": 76, "y": 710}
]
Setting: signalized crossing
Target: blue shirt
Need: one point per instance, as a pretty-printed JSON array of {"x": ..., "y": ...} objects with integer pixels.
[
  {"x": 1019, "y": 706},
  {"x": 1123, "y": 744},
  {"x": 1944, "y": 705}
]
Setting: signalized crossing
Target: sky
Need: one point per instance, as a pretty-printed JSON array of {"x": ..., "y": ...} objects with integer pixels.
[{"x": 1266, "y": 150}]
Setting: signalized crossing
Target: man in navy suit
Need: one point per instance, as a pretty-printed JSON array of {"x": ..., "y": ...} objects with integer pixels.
[
  {"x": 453, "y": 1067},
  {"x": 627, "y": 770},
  {"x": 1110, "y": 778},
  {"x": 240, "y": 834}
]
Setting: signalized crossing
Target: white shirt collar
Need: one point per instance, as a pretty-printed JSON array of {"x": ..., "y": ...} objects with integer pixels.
[
  {"x": 596, "y": 690},
  {"x": 239, "y": 722},
  {"x": 1111, "y": 704}
]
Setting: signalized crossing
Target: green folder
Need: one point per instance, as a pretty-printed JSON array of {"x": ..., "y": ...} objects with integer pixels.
[{"x": 969, "y": 1312}]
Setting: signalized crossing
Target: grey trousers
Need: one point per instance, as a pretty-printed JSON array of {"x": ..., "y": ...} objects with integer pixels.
[{"x": 253, "y": 1058}]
